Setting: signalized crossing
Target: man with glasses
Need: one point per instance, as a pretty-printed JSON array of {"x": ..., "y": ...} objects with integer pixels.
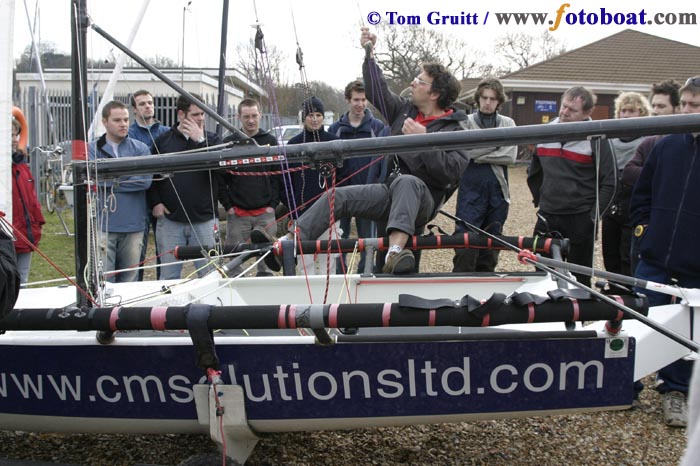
[
  {"x": 665, "y": 208},
  {"x": 418, "y": 182}
]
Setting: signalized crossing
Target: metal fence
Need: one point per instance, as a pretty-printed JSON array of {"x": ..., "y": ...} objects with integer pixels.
[
  {"x": 57, "y": 104},
  {"x": 34, "y": 105}
]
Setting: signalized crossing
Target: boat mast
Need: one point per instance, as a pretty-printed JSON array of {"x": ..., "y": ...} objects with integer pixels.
[
  {"x": 221, "y": 107},
  {"x": 79, "y": 24}
]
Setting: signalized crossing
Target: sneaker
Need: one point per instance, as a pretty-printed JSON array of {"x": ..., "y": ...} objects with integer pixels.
[
  {"x": 260, "y": 236},
  {"x": 675, "y": 409},
  {"x": 399, "y": 262}
]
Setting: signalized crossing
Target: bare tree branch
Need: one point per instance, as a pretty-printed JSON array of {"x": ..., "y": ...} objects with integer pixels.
[{"x": 521, "y": 50}]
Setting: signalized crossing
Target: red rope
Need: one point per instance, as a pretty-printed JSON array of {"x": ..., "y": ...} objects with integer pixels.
[{"x": 331, "y": 228}]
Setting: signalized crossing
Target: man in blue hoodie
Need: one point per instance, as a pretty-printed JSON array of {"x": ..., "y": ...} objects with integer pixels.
[
  {"x": 358, "y": 122},
  {"x": 665, "y": 209},
  {"x": 121, "y": 203}
]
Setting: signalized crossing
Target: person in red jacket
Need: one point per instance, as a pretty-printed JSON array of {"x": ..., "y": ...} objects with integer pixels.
[{"x": 27, "y": 218}]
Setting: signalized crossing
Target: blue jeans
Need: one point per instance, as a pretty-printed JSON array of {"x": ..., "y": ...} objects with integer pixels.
[
  {"x": 121, "y": 251},
  {"x": 480, "y": 202},
  {"x": 675, "y": 376},
  {"x": 24, "y": 262},
  {"x": 171, "y": 234}
]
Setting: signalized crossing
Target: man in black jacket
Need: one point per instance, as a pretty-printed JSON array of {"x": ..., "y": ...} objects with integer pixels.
[
  {"x": 253, "y": 198},
  {"x": 419, "y": 182},
  {"x": 185, "y": 204}
]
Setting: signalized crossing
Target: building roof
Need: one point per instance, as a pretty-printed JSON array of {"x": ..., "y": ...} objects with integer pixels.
[{"x": 626, "y": 57}]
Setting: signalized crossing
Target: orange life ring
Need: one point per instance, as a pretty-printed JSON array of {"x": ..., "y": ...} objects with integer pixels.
[{"x": 24, "y": 134}]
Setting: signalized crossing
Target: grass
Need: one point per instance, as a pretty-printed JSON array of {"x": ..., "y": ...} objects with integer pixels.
[{"x": 57, "y": 246}]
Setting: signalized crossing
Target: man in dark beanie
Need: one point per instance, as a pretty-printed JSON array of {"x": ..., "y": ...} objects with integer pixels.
[
  {"x": 308, "y": 185},
  {"x": 312, "y": 105}
]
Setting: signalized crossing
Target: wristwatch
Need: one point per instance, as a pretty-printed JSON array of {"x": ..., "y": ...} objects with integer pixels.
[
  {"x": 201, "y": 140},
  {"x": 638, "y": 231}
]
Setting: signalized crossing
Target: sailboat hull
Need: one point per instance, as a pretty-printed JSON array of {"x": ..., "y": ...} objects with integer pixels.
[{"x": 143, "y": 382}]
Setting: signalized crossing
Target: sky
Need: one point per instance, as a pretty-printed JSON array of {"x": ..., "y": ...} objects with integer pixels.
[{"x": 328, "y": 32}]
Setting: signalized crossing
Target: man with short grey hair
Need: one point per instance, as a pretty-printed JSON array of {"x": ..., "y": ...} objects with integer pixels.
[{"x": 563, "y": 177}]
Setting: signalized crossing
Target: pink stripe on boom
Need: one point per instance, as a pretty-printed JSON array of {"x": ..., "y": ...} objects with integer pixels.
[
  {"x": 158, "y": 317},
  {"x": 577, "y": 310},
  {"x": 113, "y": 317},
  {"x": 530, "y": 313},
  {"x": 281, "y": 322},
  {"x": 333, "y": 316},
  {"x": 386, "y": 314},
  {"x": 292, "y": 317},
  {"x": 431, "y": 320}
]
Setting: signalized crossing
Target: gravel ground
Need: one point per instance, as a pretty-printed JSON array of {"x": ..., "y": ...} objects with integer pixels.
[{"x": 633, "y": 437}]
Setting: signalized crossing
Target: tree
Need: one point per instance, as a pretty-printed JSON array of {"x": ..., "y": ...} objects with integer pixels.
[
  {"x": 521, "y": 50},
  {"x": 400, "y": 52},
  {"x": 253, "y": 64},
  {"x": 50, "y": 58},
  {"x": 290, "y": 96}
]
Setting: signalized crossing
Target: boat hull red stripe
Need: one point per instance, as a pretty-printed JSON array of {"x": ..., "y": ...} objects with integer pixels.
[
  {"x": 333, "y": 316},
  {"x": 113, "y": 317},
  {"x": 386, "y": 314},
  {"x": 158, "y": 317}
]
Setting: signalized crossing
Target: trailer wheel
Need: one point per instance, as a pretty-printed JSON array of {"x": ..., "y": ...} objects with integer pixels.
[{"x": 207, "y": 459}]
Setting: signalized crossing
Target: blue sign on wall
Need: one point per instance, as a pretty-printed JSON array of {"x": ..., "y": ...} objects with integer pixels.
[{"x": 546, "y": 106}]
